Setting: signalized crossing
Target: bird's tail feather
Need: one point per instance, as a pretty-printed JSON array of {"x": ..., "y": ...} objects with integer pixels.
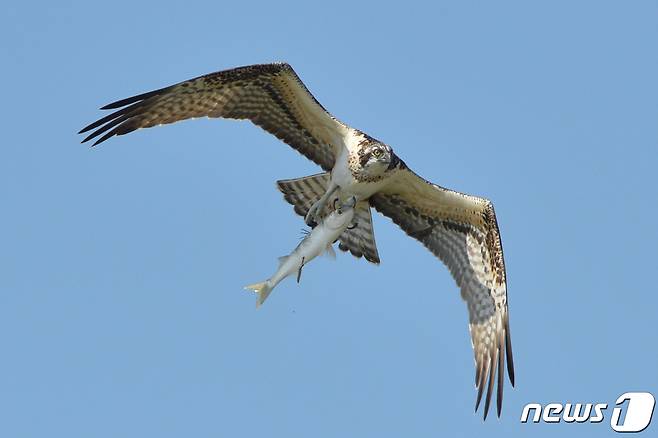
[
  {"x": 263, "y": 290},
  {"x": 303, "y": 192}
]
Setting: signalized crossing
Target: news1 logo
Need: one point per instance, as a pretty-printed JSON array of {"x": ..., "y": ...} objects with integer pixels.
[{"x": 635, "y": 416}]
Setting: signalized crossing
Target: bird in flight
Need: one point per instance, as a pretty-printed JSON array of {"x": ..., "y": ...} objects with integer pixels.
[{"x": 461, "y": 230}]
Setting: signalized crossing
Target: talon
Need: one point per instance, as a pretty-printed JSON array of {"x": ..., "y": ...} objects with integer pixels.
[
  {"x": 311, "y": 218},
  {"x": 353, "y": 226},
  {"x": 335, "y": 200},
  {"x": 315, "y": 212}
]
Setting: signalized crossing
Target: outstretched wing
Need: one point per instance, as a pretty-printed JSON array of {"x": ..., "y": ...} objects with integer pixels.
[
  {"x": 462, "y": 231},
  {"x": 270, "y": 95},
  {"x": 302, "y": 193}
]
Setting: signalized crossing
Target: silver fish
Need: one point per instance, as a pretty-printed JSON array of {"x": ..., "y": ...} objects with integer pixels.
[{"x": 320, "y": 239}]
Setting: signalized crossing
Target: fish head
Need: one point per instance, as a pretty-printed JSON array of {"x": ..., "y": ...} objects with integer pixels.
[{"x": 341, "y": 217}]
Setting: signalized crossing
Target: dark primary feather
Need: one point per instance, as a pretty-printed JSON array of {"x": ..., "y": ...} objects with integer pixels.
[
  {"x": 270, "y": 95},
  {"x": 129, "y": 100}
]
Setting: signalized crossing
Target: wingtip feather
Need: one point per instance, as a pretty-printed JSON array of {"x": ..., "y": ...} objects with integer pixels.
[
  {"x": 480, "y": 385},
  {"x": 501, "y": 381},
  {"x": 492, "y": 374},
  {"x": 133, "y": 99},
  {"x": 508, "y": 352}
]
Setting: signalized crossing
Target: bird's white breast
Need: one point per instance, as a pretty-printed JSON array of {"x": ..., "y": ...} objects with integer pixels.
[{"x": 342, "y": 176}]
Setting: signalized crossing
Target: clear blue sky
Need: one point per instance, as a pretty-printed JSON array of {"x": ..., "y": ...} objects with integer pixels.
[{"x": 122, "y": 312}]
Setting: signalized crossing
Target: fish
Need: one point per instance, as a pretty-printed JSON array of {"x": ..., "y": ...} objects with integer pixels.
[{"x": 318, "y": 240}]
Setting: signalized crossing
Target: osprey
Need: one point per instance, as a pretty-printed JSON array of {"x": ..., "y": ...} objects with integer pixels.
[{"x": 461, "y": 230}]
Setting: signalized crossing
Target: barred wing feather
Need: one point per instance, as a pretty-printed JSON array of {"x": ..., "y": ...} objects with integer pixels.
[
  {"x": 270, "y": 95},
  {"x": 462, "y": 232}
]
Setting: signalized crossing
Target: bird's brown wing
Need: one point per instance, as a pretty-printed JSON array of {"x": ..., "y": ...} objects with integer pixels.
[
  {"x": 270, "y": 95},
  {"x": 462, "y": 232}
]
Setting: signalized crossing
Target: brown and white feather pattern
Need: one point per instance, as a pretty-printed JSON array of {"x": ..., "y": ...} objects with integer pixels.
[
  {"x": 462, "y": 232},
  {"x": 302, "y": 193},
  {"x": 270, "y": 95}
]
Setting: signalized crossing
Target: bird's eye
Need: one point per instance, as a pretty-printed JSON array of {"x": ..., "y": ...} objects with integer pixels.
[{"x": 377, "y": 153}]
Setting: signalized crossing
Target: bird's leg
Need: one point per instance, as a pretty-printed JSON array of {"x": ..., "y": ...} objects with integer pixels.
[{"x": 314, "y": 212}]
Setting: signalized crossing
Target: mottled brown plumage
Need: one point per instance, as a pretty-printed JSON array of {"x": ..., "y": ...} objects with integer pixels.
[
  {"x": 270, "y": 95},
  {"x": 461, "y": 230}
]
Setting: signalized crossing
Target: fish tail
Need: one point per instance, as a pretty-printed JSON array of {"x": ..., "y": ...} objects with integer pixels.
[{"x": 263, "y": 290}]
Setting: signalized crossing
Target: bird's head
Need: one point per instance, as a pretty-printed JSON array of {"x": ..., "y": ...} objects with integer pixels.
[{"x": 375, "y": 158}]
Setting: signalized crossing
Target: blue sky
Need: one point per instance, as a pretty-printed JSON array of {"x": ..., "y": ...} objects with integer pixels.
[{"x": 122, "y": 311}]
